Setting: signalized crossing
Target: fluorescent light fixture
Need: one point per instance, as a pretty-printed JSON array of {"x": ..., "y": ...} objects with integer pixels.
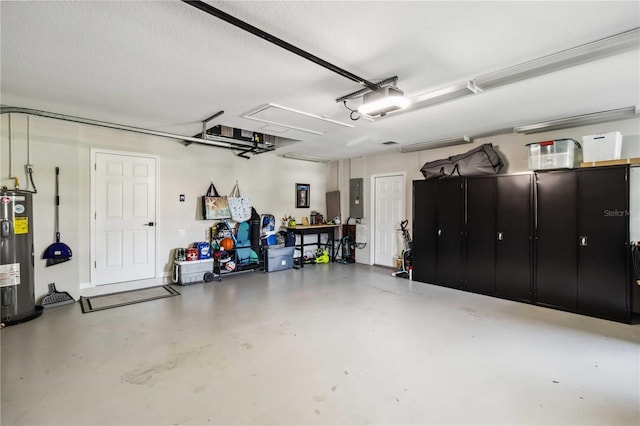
[
  {"x": 383, "y": 101},
  {"x": 294, "y": 119},
  {"x": 628, "y": 40},
  {"x": 305, "y": 157},
  {"x": 444, "y": 94},
  {"x": 577, "y": 120},
  {"x": 439, "y": 143}
]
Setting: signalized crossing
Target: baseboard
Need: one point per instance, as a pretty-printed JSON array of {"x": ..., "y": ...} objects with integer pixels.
[{"x": 87, "y": 290}]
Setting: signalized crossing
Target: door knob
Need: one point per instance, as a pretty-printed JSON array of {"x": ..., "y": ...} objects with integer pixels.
[{"x": 150, "y": 224}]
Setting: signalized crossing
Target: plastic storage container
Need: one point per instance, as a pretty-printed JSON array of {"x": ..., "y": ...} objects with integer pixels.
[
  {"x": 278, "y": 258},
  {"x": 191, "y": 272},
  {"x": 602, "y": 147},
  {"x": 556, "y": 154}
]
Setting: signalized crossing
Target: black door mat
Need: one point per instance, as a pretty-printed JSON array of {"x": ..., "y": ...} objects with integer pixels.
[{"x": 123, "y": 298}]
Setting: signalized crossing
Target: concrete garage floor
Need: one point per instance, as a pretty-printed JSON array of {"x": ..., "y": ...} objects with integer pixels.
[{"x": 329, "y": 344}]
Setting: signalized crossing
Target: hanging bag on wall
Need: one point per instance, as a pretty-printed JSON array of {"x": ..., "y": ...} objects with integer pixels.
[
  {"x": 240, "y": 206},
  {"x": 214, "y": 205},
  {"x": 483, "y": 160}
]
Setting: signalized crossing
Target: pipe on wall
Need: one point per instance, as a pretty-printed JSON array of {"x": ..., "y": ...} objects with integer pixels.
[{"x": 221, "y": 142}]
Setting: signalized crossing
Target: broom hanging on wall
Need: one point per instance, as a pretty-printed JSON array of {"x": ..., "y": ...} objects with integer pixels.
[{"x": 57, "y": 252}]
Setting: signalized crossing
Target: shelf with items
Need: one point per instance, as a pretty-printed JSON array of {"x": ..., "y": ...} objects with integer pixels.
[{"x": 232, "y": 251}]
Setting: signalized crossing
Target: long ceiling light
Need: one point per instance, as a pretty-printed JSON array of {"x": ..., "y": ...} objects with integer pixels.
[
  {"x": 383, "y": 101},
  {"x": 435, "y": 144},
  {"x": 625, "y": 41},
  {"x": 444, "y": 94},
  {"x": 305, "y": 157},
  {"x": 577, "y": 120}
]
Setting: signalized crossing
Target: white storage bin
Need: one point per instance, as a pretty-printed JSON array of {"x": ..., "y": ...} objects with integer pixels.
[
  {"x": 556, "y": 154},
  {"x": 191, "y": 272},
  {"x": 602, "y": 147}
]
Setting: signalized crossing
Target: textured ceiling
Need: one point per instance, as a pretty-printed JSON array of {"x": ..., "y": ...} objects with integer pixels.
[{"x": 166, "y": 65}]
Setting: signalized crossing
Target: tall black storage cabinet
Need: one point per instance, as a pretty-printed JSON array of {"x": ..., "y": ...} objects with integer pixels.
[
  {"x": 481, "y": 235},
  {"x": 514, "y": 235},
  {"x": 425, "y": 227},
  {"x": 556, "y": 240},
  {"x": 603, "y": 243},
  {"x": 450, "y": 232},
  {"x": 499, "y": 234},
  {"x": 582, "y": 241},
  {"x": 438, "y": 227}
]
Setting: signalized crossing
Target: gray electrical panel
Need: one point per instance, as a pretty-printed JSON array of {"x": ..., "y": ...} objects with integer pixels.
[{"x": 355, "y": 198}]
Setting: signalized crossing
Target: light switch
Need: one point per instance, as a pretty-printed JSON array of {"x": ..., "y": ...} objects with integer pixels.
[{"x": 182, "y": 233}]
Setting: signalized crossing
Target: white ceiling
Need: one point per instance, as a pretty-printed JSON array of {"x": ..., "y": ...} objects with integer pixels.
[{"x": 165, "y": 65}]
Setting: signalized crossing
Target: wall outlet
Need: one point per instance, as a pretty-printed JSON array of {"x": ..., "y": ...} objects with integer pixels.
[{"x": 182, "y": 233}]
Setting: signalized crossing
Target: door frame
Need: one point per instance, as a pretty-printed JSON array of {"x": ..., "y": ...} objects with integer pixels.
[
  {"x": 156, "y": 158},
  {"x": 372, "y": 208}
]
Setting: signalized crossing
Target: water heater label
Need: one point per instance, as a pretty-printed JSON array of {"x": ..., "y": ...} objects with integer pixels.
[
  {"x": 9, "y": 198},
  {"x": 9, "y": 275},
  {"x": 21, "y": 225}
]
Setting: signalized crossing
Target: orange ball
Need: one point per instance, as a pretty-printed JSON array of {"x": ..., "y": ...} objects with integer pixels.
[{"x": 227, "y": 244}]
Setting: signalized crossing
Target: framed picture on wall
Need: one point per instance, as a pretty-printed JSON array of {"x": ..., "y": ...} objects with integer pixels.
[{"x": 302, "y": 195}]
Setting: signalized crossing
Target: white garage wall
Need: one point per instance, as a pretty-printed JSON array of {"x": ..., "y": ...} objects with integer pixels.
[
  {"x": 269, "y": 181},
  {"x": 511, "y": 147},
  {"x": 266, "y": 178}
]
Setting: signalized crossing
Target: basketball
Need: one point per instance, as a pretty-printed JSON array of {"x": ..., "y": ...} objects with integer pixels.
[{"x": 227, "y": 244}]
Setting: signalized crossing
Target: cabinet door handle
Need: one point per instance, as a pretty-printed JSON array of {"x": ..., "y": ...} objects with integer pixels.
[
  {"x": 583, "y": 241},
  {"x": 439, "y": 232},
  {"x": 500, "y": 236}
]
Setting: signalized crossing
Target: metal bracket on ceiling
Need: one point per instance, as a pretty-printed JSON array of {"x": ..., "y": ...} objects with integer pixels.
[
  {"x": 205, "y": 122},
  {"x": 244, "y": 146},
  {"x": 391, "y": 81}
]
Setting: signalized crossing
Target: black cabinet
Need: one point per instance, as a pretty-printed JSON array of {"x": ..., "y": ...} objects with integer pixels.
[
  {"x": 514, "y": 234},
  {"x": 556, "y": 237},
  {"x": 582, "y": 246},
  {"x": 438, "y": 231},
  {"x": 603, "y": 243},
  {"x": 498, "y": 236},
  {"x": 481, "y": 235},
  {"x": 425, "y": 227},
  {"x": 450, "y": 233}
]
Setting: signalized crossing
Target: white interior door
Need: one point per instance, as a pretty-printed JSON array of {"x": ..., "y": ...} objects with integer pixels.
[
  {"x": 125, "y": 216},
  {"x": 389, "y": 212}
]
